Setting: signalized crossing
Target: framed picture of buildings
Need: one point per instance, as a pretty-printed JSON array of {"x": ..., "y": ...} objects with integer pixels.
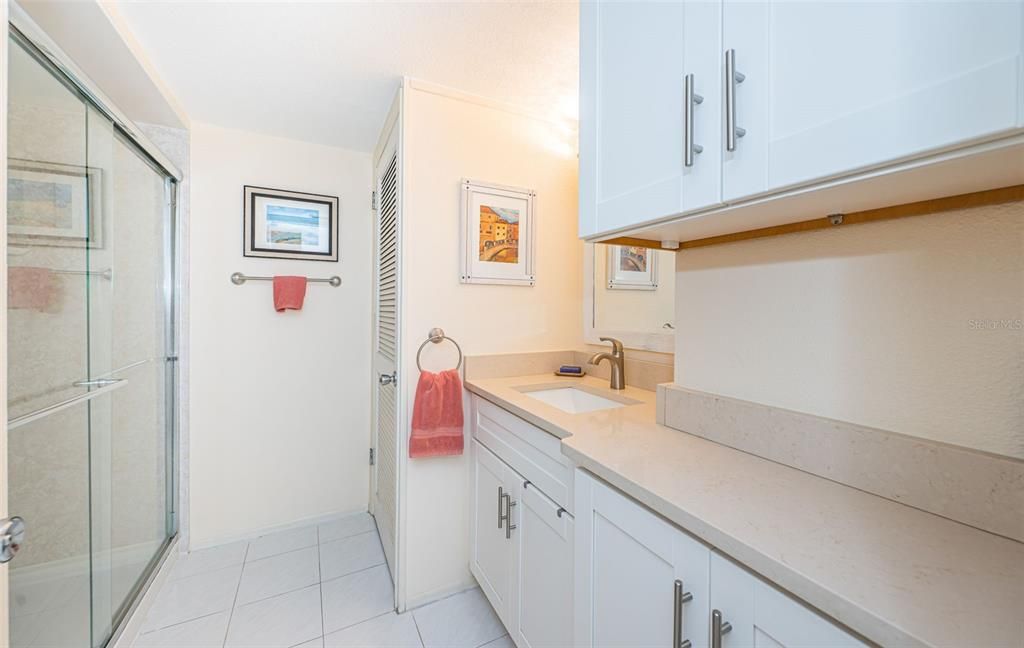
[
  {"x": 632, "y": 268},
  {"x": 497, "y": 234}
]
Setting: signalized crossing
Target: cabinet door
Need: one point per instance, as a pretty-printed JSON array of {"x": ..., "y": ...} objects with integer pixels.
[
  {"x": 634, "y": 57},
  {"x": 763, "y": 617},
  {"x": 627, "y": 563},
  {"x": 492, "y": 553},
  {"x": 834, "y": 87},
  {"x": 544, "y": 596}
]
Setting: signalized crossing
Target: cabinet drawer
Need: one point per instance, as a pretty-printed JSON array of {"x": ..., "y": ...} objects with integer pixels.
[{"x": 530, "y": 451}]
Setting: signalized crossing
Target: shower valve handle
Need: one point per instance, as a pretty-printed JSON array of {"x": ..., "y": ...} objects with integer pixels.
[{"x": 12, "y": 536}]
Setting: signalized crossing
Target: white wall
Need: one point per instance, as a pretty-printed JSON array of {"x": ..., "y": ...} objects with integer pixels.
[
  {"x": 894, "y": 325},
  {"x": 447, "y": 139},
  {"x": 279, "y": 425}
]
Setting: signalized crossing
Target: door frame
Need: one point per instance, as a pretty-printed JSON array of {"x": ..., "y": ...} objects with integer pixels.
[{"x": 389, "y": 142}]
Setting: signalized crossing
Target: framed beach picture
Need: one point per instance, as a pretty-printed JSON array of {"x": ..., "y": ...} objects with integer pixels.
[
  {"x": 281, "y": 224},
  {"x": 54, "y": 204},
  {"x": 497, "y": 234},
  {"x": 632, "y": 268}
]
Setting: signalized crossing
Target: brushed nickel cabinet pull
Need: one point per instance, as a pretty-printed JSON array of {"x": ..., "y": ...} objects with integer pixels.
[
  {"x": 690, "y": 99},
  {"x": 679, "y": 598},
  {"x": 718, "y": 628},
  {"x": 501, "y": 500},
  {"x": 732, "y": 78},
  {"x": 508, "y": 516}
]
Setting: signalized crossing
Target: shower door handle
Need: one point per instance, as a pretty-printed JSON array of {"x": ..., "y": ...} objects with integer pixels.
[
  {"x": 12, "y": 536},
  {"x": 65, "y": 404},
  {"x": 97, "y": 382}
]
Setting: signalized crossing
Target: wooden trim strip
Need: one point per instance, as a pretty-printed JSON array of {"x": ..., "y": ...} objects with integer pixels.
[
  {"x": 920, "y": 208},
  {"x": 635, "y": 242}
]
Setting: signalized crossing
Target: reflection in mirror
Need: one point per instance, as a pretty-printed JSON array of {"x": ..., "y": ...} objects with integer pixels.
[{"x": 634, "y": 291}]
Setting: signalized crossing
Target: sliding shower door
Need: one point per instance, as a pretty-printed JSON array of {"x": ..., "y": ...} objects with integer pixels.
[{"x": 90, "y": 359}]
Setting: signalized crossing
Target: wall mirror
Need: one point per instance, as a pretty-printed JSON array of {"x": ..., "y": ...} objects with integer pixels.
[{"x": 629, "y": 294}]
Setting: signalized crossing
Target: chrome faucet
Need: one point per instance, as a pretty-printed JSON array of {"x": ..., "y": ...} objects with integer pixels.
[{"x": 617, "y": 361}]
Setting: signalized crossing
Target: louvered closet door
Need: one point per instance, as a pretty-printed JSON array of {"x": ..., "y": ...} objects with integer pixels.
[{"x": 385, "y": 470}]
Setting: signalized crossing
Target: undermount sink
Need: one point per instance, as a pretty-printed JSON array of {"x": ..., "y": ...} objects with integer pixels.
[{"x": 573, "y": 399}]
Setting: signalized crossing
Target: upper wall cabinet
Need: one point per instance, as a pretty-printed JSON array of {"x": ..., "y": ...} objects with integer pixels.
[
  {"x": 691, "y": 108},
  {"x": 650, "y": 88},
  {"x": 828, "y": 88}
]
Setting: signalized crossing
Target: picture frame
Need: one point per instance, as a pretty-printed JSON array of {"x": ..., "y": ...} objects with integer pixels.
[
  {"x": 632, "y": 268},
  {"x": 54, "y": 205},
  {"x": 497, "y": 234},
  {"x": 283, "y": 224}
]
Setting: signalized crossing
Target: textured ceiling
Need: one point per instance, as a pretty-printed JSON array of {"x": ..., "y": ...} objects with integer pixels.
[{"x": 327, "y": 71}]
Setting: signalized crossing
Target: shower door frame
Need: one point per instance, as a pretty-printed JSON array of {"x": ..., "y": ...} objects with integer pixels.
[{"x": 19, "y": 21}]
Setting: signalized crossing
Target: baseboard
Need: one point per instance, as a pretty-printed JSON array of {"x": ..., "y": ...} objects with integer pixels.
[
  {"x": 438, "y": 594},
  {"x": 253, "y": 533}
]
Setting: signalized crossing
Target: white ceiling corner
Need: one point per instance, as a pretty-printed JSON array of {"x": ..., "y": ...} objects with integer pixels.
[{"x": 326, "y": 72}]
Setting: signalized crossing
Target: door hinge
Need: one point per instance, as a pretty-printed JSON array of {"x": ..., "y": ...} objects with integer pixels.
[
  {"x": 373, "y": 200},
  {"x": 373, "y": 457}
]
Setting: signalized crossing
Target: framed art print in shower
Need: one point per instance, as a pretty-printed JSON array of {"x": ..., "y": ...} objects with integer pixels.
[
  {"x": 280, "y": 224},
  {"x": 54, "y": 204}
]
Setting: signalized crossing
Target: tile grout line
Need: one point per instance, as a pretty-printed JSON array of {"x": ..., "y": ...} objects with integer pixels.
[
  {"x": 320, "y": 585},
  {"x": 282, "y": 553},
  {"x": 348, "y": 537},
  {"x": 273, "y": 596},
  {"x": 172, "y": 579},
  {"x": 175, "y": 624},
  {"x": 171, "y": 583},
  {"x": 298, "y": 589},
  {"x": 358, "y": 571},
  {"x": 375, "y": 616},
  {"x": 231, "y": 613},
  {"x": 416, "y": 625}
]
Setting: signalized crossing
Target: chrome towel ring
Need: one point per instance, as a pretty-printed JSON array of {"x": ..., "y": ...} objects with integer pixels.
[{"x": 437, "y": 336}]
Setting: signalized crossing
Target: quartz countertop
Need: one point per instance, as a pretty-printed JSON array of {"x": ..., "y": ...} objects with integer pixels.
[{"x": 895, "y": 574}]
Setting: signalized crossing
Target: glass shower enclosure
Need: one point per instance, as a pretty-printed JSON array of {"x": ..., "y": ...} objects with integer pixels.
[{"x": 91, "y": 363}]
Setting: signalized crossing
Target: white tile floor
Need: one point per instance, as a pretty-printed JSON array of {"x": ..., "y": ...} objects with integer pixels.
[{"x": 322, "y": 586}]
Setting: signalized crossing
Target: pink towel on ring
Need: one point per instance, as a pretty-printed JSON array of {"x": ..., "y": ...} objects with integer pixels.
[
  {"x": 289, "y": 293},
  {"x": 32, "y": 289},
  {"x": 437, "y": 415}
]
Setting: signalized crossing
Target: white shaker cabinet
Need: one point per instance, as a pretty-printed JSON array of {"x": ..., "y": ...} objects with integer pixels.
[
  {"x": 522, "y": 540},
  {"x": 898, "y": 100},
  {"x": 628, "y": 561},
  {"x": 830, "y": 88},
  {"x": 639, "y": 63},
  {"x": 628, "y": 564},
  {"x": 747, "y": 612},
  {"x": 492, "y": 551}
]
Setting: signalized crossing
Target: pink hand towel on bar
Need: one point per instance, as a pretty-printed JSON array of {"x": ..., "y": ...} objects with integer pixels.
[
  {"x": 437, "y": 415},
  {"x": 32, "y": 289},
  {"x": 289, "y": 292}
]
